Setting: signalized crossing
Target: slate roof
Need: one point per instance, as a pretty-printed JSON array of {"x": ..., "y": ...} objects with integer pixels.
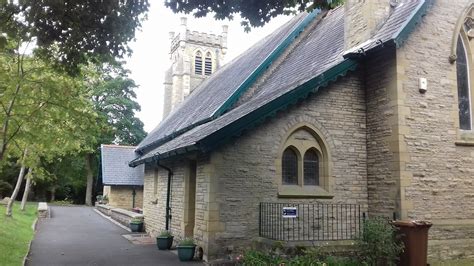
[
  {"x": 316, "y": 60},
  {"x": 221, "y": 86},
  {"x": 115, "y": 168}
]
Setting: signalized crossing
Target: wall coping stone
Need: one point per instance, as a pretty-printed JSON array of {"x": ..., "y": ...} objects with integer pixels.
[
  {"x": 103, "y": 206},
  {"x": 43, "y": 210},
  {"x": 127, "y": 213}
]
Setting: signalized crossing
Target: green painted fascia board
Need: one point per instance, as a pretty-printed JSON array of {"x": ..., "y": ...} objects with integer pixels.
[
  {"x": 265, "y": 64},
  {"x": 259, "y": 115},
  {"x": 402, "y": 35},
  {"x": 270, "y": 109},
  {"x": 171, "y": 136},
  {"x": 243, "y": 87},
  {"x": 159, "y": 156}
]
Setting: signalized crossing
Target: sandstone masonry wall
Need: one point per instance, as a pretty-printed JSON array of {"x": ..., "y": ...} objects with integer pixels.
[
  {"x": 246, "y": 168},
  {"x": 121, "y": 197},
  {"x": 437, "y": 176},
  {"x": 154, "y": 207},
  {"x": 382, "y": 134}
]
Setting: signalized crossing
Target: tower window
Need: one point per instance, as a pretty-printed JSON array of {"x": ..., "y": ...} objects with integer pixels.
[
  {"x": 208, "y": 64},
  {"x": 198, "y": 63}
]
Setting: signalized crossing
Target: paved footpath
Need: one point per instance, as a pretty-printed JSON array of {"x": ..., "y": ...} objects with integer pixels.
[{"x": 80, "y": 236}]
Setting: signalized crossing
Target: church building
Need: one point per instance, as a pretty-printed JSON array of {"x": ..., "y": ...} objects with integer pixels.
[{"x": 364, "y": 110}]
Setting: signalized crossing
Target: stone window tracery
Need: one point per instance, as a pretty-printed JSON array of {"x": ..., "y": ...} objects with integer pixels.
[{"x": 304, "y": 165}]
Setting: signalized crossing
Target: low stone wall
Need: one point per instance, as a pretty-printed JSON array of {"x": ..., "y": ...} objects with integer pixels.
[
  {"x": 120, "y": 215},
  {"x": 335, "y": 247},
  {"x": 43, "y": 210},
  {"x": 103, "y": 209},
  {"x": 123, "y": 216}
]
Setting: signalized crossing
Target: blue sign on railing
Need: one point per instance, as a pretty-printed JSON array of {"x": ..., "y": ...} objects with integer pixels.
[{"x": 290, "y": 212}]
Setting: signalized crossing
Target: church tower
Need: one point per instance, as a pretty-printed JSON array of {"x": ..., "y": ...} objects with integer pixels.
[{"x": 194, "y": 57}]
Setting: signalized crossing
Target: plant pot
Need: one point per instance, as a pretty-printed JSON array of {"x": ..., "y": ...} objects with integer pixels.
[
  {"x": 186, "y": 253},
  {"x": 164, "y": 242},
  {"x": 136, "y": 227}
]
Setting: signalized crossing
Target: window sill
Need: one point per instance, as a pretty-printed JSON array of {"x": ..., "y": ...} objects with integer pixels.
[
  {"x": 303, "y": 192},
  {"x": 466, "y": 139}
]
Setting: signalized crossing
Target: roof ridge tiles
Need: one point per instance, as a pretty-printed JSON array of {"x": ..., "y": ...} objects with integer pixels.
[{"x": 119, "y": 146}]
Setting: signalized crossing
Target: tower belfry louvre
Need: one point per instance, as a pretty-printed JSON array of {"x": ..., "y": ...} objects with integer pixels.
[{"x": 194, "y": 56}]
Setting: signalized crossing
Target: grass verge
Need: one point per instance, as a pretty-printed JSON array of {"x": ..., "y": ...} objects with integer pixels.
[{"x": 16, "y": 233}]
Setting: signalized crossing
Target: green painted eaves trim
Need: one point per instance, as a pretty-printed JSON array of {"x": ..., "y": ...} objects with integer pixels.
[
  {"x": 399, "y": 37},
  {"x": 158, "y": 156},
  {"x": 402, "y": 35},
  {"x": 245, "y": 85},
  {"x": 259, "y": 115},
  {"x": 270, "y": 109}
]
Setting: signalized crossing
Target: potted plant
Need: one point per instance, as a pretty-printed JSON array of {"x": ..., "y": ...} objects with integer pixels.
[
  {"x": 136, "y": 225},
  {"x": 105, "y": 199},
  {"x": 186, "y": 248},
  {"x": 164, "y": 240}
]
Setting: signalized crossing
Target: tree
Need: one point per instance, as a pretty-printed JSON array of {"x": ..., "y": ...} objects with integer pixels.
[
  {"x": 72, "y": 32},
  {"x": 43, "y": 110},
  {"x": 27, "y": 190},
  {"x": 9, "y": 208},
  {"x": 35, "y": 100},
  {"x": 113, "y": 97},
  {"x": 253, "y": 13}
]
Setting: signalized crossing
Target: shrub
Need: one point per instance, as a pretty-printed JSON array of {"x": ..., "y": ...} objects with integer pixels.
[
  {"x": 136, "y": 220},
  {"x": 165, "y": 233},
  {"x": 378, "y": 244},
  {"x": 254, "y": 257},
  {"x": 5, "y": 188},
  {"x": 186, "y": 242}
]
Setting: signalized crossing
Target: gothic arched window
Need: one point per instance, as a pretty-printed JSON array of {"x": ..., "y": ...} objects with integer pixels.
[
  {"x": 311, "y": 168},
  {"x": 208, "y": 64},
  {"x": 289, "y": 163},
  {"x": 303, "y": 167},
  {"x": 461, "y": 52},
  {"x": 198, "y": 63},
  {"x": 462, "y": 70}
]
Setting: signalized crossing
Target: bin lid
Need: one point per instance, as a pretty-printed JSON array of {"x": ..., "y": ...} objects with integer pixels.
[{"x": 413, "y": 223}]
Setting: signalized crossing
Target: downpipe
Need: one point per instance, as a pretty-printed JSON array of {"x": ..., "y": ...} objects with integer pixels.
[{"x": 168, "y": 195}]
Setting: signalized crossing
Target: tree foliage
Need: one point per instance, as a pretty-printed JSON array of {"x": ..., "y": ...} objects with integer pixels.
[
  {"x": 74, "y": 31},
  {"x": 41, "y": 108},
  {"x": 114, "y": 100},
  {"x": 253, "y": 13}
]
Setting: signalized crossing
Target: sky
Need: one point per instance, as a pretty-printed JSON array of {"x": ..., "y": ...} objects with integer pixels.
[{"x": 150, "y": 56}]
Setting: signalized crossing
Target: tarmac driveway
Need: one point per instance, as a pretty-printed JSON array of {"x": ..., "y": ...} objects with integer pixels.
[{"x": 80, "y": 236}]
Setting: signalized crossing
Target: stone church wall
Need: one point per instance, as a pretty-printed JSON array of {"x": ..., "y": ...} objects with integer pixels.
[
  {"x": 154, "y": 205},
  {"x": 382, "y": 134},
  {"x": 438, "y": 170},
  {"x": 246, "y": 168}
]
